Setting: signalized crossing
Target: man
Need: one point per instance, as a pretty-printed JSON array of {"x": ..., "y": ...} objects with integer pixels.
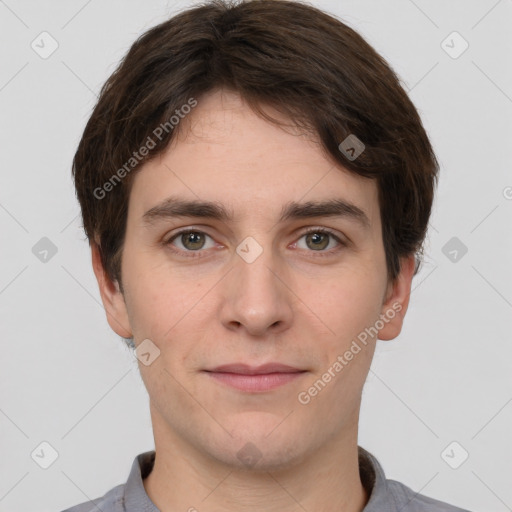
[{"x": 256, "y": 188}]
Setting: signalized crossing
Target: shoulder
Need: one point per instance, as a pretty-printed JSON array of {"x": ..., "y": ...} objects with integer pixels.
[
  {"x": 112, "y": 501},
  {"x": 409, "y": 501}
]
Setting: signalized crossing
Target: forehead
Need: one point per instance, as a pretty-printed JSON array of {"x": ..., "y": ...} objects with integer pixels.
[{"x": 227, "y": 154}]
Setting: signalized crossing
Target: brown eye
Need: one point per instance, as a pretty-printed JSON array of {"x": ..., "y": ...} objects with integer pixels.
[
  {"x": 191, "y": 241},
  {"x": 318, "y": 240}
]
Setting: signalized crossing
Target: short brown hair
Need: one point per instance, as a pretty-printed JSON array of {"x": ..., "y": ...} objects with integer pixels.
[{"x": 289, "y": 55}]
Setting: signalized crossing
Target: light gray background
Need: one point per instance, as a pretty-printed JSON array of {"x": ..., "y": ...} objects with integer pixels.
[{"x": 67, "y": 379}]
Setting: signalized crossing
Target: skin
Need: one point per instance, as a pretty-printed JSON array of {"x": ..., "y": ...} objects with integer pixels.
[{"x": 289, "y": 306}]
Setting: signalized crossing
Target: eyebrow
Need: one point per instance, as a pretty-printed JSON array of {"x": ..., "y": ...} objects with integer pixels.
[{"x": 175, "y": 207}]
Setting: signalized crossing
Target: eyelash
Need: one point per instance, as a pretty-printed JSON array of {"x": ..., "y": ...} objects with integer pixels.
[{"x": 196, "y": 254}]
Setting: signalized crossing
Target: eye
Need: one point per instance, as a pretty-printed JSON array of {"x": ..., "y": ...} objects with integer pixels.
[
  {"x": 191, "y": 241},
  {"x": 318, "y": 239}
]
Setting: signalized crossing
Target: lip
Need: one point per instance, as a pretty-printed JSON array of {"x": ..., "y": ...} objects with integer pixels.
[
  {"x": 255, "y": 379},
  {"x": 245, "y": 369}
]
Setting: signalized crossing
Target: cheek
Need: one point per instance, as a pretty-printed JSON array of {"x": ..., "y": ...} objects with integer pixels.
[
  {"x": 148, "y": 293},
  {"x": 168, "y": 311},
  {"x": 150, "y": 305},
  {"x": 347, "y": 303}
]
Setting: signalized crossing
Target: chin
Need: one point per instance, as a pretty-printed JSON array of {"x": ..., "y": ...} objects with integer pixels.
[{"x": 258, "y": 447}]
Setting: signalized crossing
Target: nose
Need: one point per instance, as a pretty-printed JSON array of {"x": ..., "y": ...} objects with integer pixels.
[{"x": 257, "y": 295}]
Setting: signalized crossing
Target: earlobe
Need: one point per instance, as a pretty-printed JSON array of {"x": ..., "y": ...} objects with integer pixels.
[
  {"x": 111, "y": 296},
  {"x": 397, "y": 300}
]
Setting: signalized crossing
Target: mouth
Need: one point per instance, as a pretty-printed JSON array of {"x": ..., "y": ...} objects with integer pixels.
[{"x": 255, "y": 379}]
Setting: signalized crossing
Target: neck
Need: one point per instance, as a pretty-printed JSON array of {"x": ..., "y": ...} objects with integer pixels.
[{"x": 325, "y": 480}]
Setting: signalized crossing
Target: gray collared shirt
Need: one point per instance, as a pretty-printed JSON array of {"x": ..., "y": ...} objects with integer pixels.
[{"x": 385, "y": 495}]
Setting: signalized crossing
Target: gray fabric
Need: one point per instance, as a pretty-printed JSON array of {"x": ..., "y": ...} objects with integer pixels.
[{"x": 385, "y": 495}]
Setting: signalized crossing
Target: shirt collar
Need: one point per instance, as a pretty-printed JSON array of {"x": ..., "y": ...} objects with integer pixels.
[
  {"x": 372, "y": 477},
  {"x": 135, "y": 496}
]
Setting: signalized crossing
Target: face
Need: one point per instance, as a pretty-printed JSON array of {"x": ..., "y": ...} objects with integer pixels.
[{"x": 254, "y": 288}]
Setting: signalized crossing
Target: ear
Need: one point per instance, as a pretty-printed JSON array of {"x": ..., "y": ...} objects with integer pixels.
[
  {"x": 396, "y": 301},
  {"x": 111, "y": 296}
]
